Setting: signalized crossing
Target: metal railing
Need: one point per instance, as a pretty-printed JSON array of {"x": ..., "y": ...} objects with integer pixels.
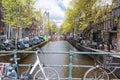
[{"x": 70, "y": 53}]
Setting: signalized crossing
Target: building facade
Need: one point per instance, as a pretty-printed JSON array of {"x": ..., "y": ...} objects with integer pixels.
[
  {"x": 2, "y": 28},
  {"x": 105, "y": 30}
]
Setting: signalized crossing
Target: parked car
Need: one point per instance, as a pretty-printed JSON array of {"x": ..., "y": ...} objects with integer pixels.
[
  {"x": 20, "y": 45},
  {"x": 27, "y": 38},
  {"x": 13, "y": 41},
  {"x": 9, "y": 46},
  {"x": 41, "y": 39},
  {"x": 35, "y": 41},
  {"x": 30, "y": 43},
  {"x": 26, "y": 43},
  {"x": 2, "y": 46}
]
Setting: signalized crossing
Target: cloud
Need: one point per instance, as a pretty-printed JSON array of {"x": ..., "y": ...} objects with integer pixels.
[
  {"x": 66, "y": 3},
  {"x": 56, "y": 8}
]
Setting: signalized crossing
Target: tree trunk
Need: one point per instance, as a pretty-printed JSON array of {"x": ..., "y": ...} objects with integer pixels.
[
  {"x": 16, "y": 40},
  {"x": 91, "y": 36},
  {"x": 73, "y": 32},
  {"x": 118, "y": 36}
]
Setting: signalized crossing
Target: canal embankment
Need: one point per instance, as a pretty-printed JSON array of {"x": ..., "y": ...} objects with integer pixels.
[
  {"x": 99, "y": 57},
  {"x": 6, "y": 56}
]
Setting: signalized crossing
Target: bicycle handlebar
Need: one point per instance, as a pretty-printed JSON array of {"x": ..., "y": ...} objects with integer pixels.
[
  {"x": 13, "y": 59},
  {"x": 39, "y": 51}
]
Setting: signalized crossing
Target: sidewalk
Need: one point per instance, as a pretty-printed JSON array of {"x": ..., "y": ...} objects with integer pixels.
[{"x": 111, "y": 50}]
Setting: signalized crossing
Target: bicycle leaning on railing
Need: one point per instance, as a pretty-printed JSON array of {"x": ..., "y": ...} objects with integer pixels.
[
  {"x": 9, "y": 72},
  {"x": 102, "y": 71},
  {"x": 44, "y": 73}
]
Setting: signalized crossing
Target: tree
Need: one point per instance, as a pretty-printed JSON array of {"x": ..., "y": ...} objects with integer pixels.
[
  {"x": 80, "y": 9},
  {"x": 54, "y": 27},
  {"x": 17, "y": 13},
  {"x": 51, "y": 27},
  {"x": 86, "y": 12},
  {"x": 38, "y": 20}
]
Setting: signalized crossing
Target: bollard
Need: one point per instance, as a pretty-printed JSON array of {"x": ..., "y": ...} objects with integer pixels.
[{"x": 70, "y": 65}]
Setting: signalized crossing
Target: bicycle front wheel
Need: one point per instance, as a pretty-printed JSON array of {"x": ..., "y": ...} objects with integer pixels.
[
  {"x": 95, "y": 73},
  {"x": 50, "y": 73}
]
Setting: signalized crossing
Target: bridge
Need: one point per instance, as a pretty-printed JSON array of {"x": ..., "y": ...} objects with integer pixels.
[{"x": 70, "y": 65}]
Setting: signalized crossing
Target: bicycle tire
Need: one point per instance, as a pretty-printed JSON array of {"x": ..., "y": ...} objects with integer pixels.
[
  {"x": 9, "y": 78},
  {"x": 50, "y": 73},
  {"x": 12, "y": 76},
  {"x": 111, "y": 72},
  {"x": 96, "y": 73}
]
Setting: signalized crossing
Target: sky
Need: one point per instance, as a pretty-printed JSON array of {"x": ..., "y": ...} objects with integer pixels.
[{"x": 56, "y": 9}]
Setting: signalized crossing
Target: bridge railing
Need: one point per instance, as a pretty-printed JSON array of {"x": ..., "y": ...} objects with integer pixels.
[{"x": 70, "y": 53}]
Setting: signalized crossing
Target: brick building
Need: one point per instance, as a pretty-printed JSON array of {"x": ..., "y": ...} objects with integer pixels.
[{"x": 105, "y": 29}]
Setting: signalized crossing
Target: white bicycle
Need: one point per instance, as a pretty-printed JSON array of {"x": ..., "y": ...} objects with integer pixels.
[{"x": 44, "y": 73}]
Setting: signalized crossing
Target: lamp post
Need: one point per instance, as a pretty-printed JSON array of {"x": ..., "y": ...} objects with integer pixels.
[
  {"x": 44, "y": 23},
  {"x": 74, "y": 29}
]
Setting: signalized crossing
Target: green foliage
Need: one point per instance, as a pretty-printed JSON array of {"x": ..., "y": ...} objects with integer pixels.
[
  {"x": 38, "y": 18},
  {"x": 51, "y": 26},
  {"x": 81, "y": 10},
  {"x": 85, "y": 12},
  {"x": 18, "y": 13},
  {"x": 54, "y": 27}
]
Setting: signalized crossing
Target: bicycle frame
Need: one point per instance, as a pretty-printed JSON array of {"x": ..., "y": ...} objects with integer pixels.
[
  {"x": 37, "y": 63},
  {"x": 103, "y": 68}
]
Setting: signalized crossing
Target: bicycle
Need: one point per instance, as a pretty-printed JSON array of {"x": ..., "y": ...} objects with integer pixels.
[
  {"x": 7, "y": 72},
  {"x": 10, "y": 71},
  {"x": 101, "y": 71},
  {"x": 44, "y": 73}
]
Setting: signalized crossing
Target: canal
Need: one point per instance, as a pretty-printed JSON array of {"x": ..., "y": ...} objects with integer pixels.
[{"x": 61, "y": 59}]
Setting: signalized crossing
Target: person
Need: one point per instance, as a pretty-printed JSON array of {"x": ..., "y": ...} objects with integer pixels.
[
  {"x": 114, "y": 43},
  {"x": 98, "y": 43},
  {"x": 103, "y": 47},
  {"x": 45, "y": 37}
]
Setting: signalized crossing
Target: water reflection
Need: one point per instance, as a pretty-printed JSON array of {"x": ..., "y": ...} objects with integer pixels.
[{"x": 61, "y": 59}]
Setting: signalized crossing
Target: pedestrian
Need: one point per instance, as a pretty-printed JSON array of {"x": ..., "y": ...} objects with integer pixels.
[
  {"x": 45, "y": 37},
  {"x": 114, "y": 43}
]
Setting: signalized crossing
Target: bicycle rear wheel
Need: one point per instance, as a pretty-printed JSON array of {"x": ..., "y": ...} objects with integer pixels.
[
  {"x": 95, "y": 73},
  {"x": 9, "y": 78},
  {"x": 50, "y": 73}
]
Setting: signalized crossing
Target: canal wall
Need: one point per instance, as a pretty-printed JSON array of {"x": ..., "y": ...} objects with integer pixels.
[
  {"x": 6, "y": 57},
  {"x": 22, "y": 56},
  {"x": 94, "y": 56}
]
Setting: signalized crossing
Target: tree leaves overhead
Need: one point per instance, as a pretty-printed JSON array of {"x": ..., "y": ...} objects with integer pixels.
[
  {"x": 38, "y": 17},
  {"x": 18, "y": 12},
  {"x": 85, "y": 11}
]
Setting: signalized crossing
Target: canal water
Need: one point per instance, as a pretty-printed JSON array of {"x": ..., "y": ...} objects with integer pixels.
[{"x": 61, "y": 59}]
